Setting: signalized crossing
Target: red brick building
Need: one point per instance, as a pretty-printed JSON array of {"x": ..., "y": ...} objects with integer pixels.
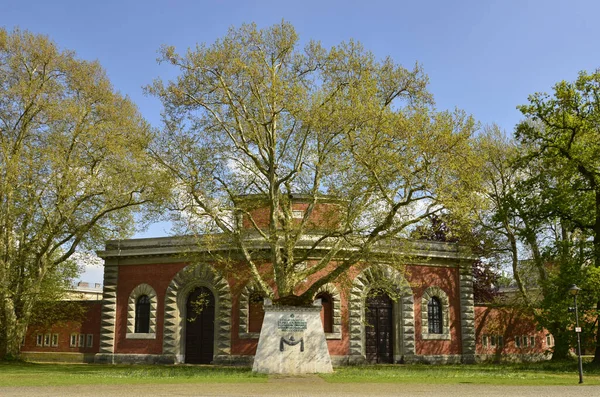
[
  {"x": 422, "y": 311},
  {"x": 505, "y": 332},
  {"x": 73, "y": 341}
]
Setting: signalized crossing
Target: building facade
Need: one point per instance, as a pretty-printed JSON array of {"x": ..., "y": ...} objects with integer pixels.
[{"x": 382, "y": 312}]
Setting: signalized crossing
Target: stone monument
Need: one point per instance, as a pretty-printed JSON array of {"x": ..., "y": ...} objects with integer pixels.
[{"x": 292, "y": 341}]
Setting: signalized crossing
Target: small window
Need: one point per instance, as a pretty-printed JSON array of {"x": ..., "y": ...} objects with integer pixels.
[
  {"x": 142, "y": 315},
  {"x": 549, "y": 340},
  {"x": 73, "y": 341},
  {"x": 90, "y": 340},
  {"x": 39, "y": 340},
  {"x": 493, "y": 341},
  {"x": 326, "y": 311},
  {"x": 47, "y": 340},
  {"x": 532, "y": 341},
  {"x": 297, "y": 214},
  {"x": 517, "y": 341},
  {"x": 500, "y": 340},
  {"x": 524, "y": 341},
  {"x": 434, "y": 316},
  {"x": 81, "y": 340},
  {"x": 54, "y": 340},
  {"x": 484, "y": 341}
]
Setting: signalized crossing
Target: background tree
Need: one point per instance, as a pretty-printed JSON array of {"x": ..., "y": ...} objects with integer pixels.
[
  {"x": 544, "y": 250},
  {"x": 73, "y": 166},
  {"x": 254, "y": 114},
  {"x": 513, "y": 224},
  {"x": 562, "y": 131}
]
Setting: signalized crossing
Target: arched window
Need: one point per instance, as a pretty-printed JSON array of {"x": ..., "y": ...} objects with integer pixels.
[
  {"x": 435, "y": 316},
  {"x": 142, "y": 315},
  {"x": 256, "y": 312},
  {"x": 326, "y": 311},
  {"x": 330, "y": 311}
]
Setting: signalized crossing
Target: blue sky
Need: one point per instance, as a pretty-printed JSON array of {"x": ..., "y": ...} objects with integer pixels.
[{"x": 484, "y": 57}]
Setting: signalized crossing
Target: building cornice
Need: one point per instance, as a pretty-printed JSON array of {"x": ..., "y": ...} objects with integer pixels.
[{"x": 182, "y": 247}]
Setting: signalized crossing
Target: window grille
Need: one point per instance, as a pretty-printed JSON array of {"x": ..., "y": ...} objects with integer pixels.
[
  {"x": 434, "y": 316},
  {"x": 142, "y": 315}
]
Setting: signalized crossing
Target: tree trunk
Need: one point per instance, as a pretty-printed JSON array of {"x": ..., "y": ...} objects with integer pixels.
[
  {"x": 596, "y": 359},
  {"x": 561, "y": 345},
  {"x": 11, "y": 332}
]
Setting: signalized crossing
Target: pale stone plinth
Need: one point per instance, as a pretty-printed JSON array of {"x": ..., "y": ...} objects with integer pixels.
[{"x": 285, "y": 332}]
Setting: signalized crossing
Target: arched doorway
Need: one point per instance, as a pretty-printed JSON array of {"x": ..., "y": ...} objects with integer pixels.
[
  {"x": 200, "y": 326},
  {"x": 379, "y": 335}
]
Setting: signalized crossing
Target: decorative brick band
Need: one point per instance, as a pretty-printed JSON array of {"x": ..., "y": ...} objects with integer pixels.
[
  {"x": 109, "y": 310},
  {"x": 192, "y": 276},
  {"x": 376, "y": 276}
]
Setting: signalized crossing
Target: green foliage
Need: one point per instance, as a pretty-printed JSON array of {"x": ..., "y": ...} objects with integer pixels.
[
  {"x": 561, "y": 135},
  {"x": 73, "y": 166},
  {"x": 545, "y": 205},
  {"x": 255, "y": 114},
  {"x": 198, "y": 305}
]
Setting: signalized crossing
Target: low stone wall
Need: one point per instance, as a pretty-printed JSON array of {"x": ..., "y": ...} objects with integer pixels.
[
  {"x": 247, "y": 361},
  {"x": 58, "y": 357},
  {"x": 235, "y": 360},
  {"x": 513, "y": 358},
  {"x": 103, "y": 358},
  {"x": 435, "y": 359}
]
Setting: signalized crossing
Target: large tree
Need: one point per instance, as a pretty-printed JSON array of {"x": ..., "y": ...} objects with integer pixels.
[
  {"x": 254, "y": 113},
  {"x": 542, "y": 250},
  {"x": 73, "y": 166},
  {"x": 562, "y": 131}
]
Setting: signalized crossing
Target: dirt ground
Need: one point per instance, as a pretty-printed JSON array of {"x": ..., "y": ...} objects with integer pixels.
[{"x": 308, "y": 386}]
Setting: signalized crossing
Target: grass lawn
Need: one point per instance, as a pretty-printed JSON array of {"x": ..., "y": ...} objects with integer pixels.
[
  {"x": 546, "y": 373},
  {"x": 32, "y": 374}
]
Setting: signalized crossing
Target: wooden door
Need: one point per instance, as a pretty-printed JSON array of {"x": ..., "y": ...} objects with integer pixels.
[
  {"x": 200, "y": 326},
  {"x": 379, "y": 330}
]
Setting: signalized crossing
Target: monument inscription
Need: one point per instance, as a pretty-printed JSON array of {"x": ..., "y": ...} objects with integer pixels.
[{"x": 291, "y": 324}]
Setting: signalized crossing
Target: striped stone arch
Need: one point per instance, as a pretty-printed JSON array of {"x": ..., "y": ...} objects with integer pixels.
[
  {"x": 332, "y": 290},
  {"x": 386, "y": 277},
  {"x": 142, "y": 289},
  {"x": 245, "y": 310},
  {"x": 192, "y": 276},
  {"x": 439, "y": 293}
]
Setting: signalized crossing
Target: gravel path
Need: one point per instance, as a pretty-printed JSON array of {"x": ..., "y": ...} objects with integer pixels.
[{"x": 307, "y": 386}]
